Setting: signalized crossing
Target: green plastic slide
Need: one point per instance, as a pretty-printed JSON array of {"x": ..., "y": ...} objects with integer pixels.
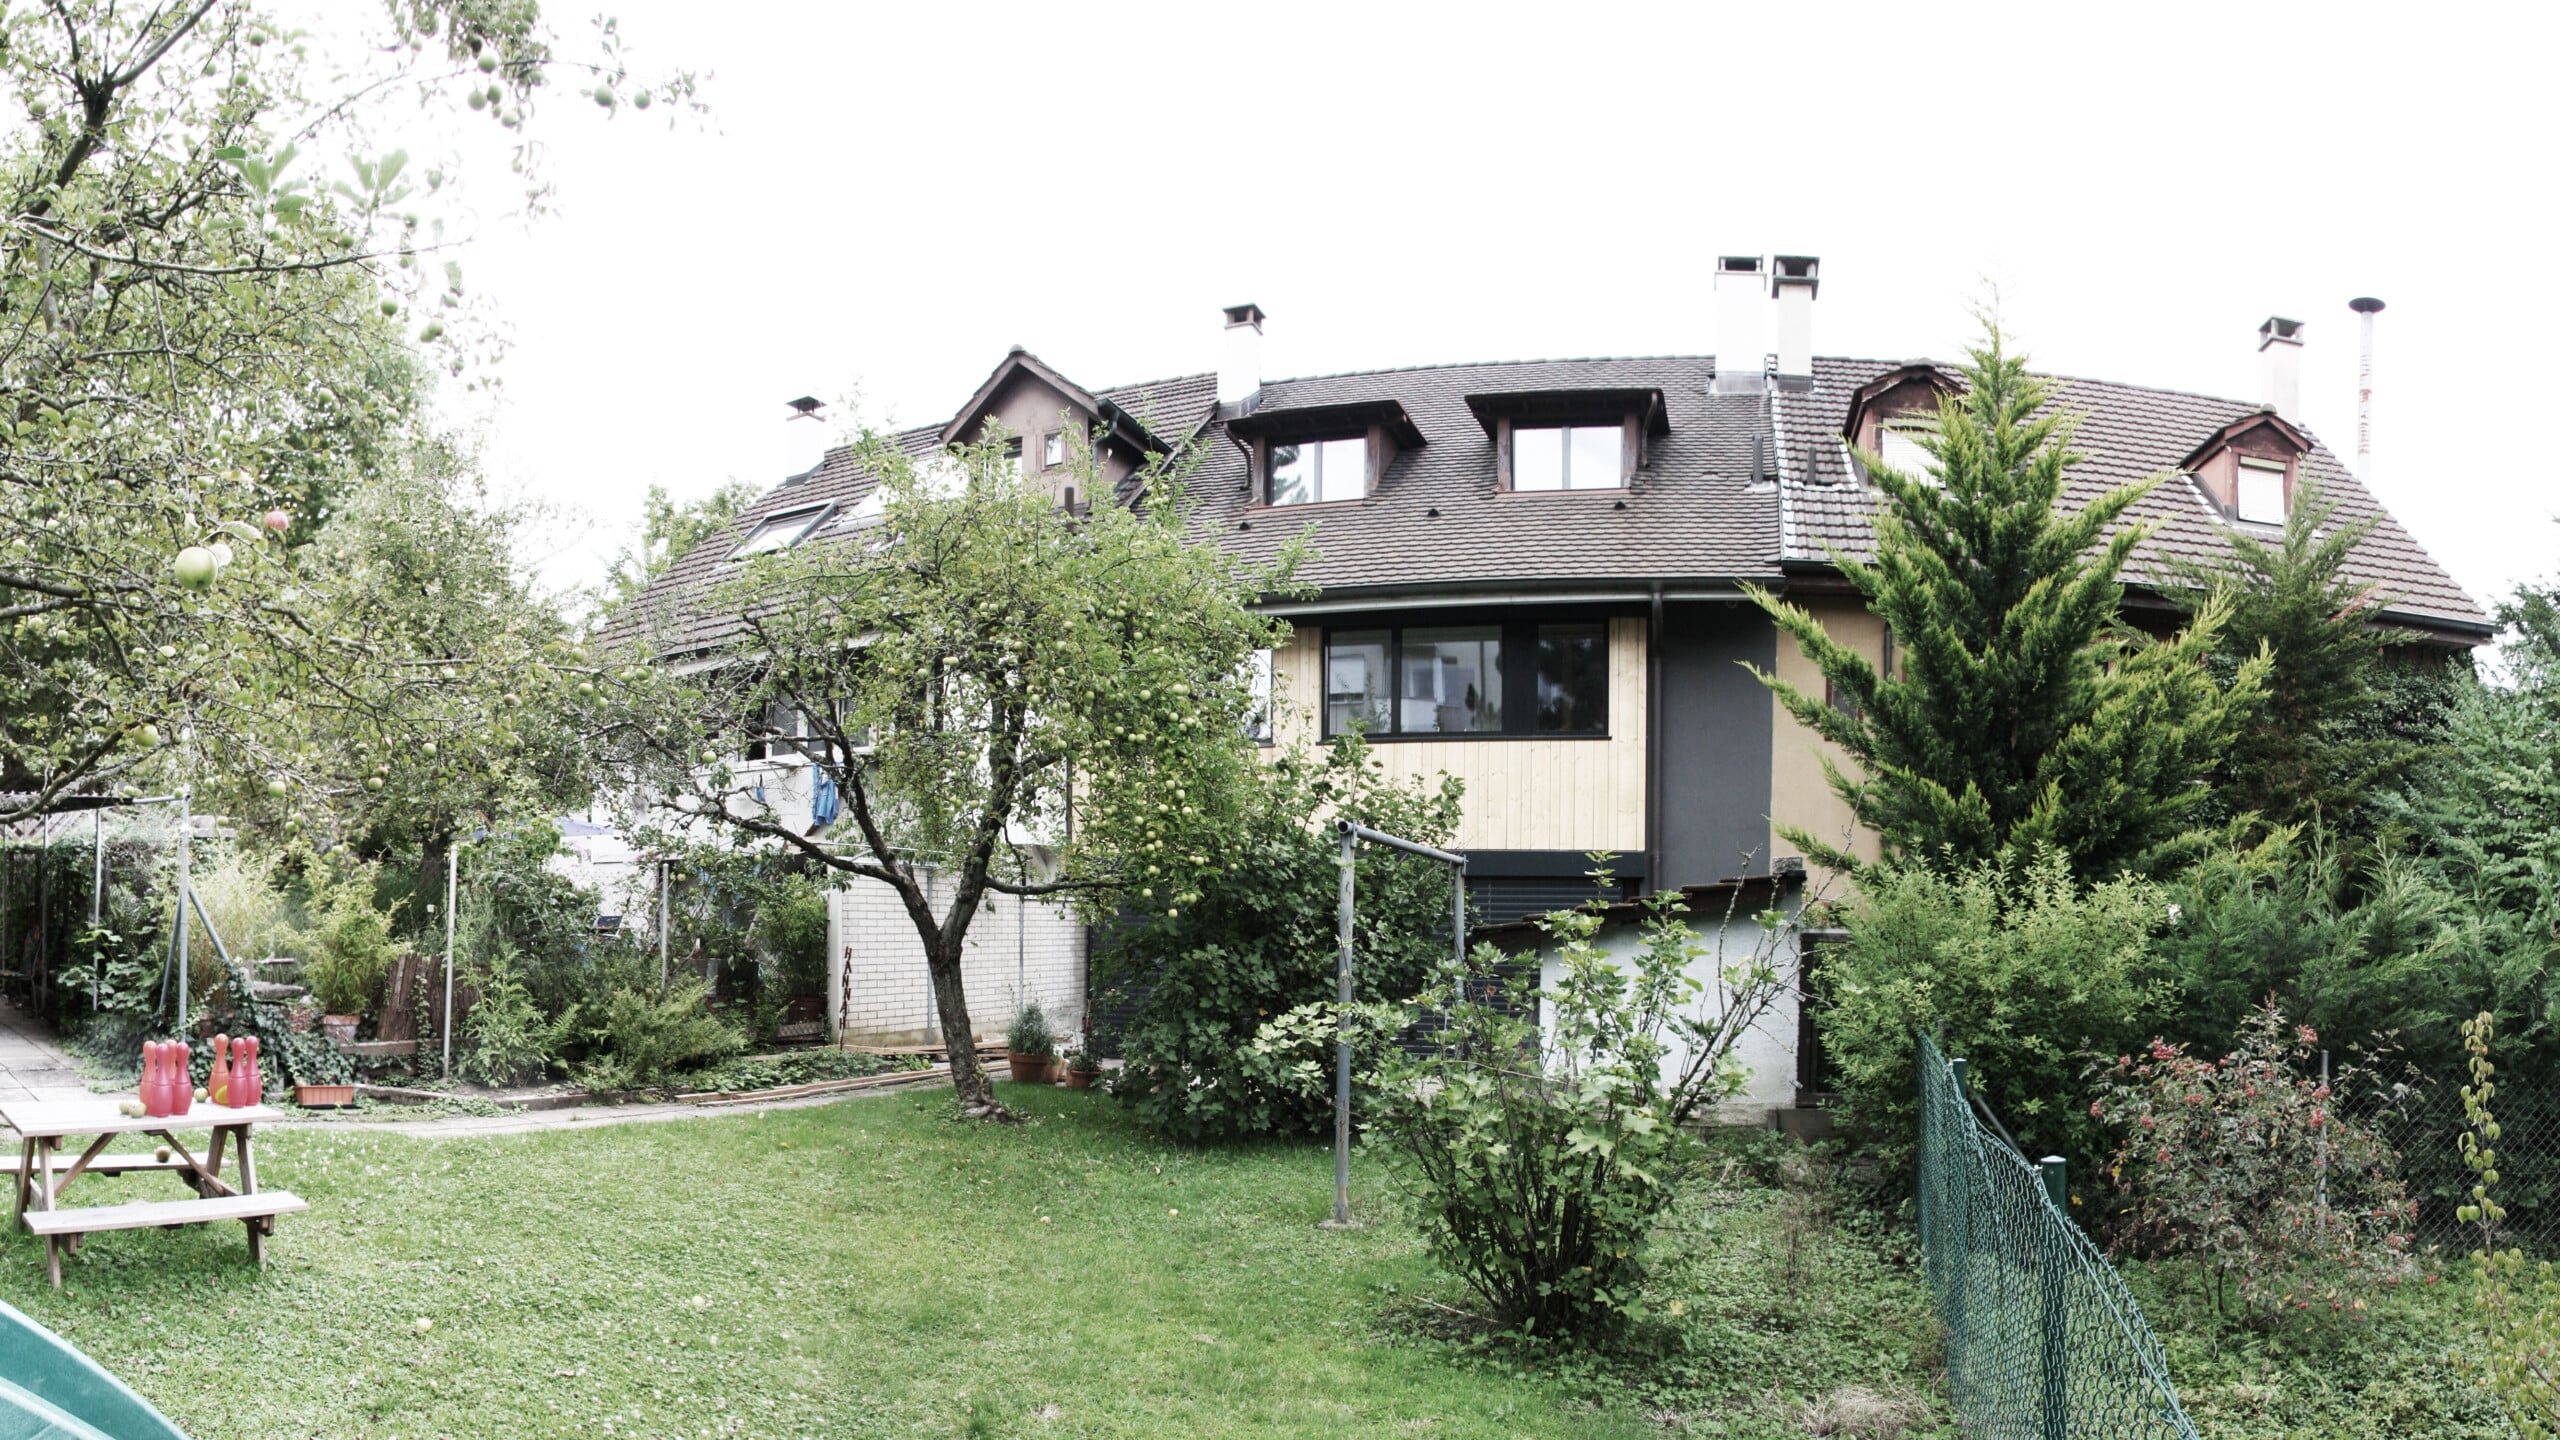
[{"x": 50, "y": 1391}]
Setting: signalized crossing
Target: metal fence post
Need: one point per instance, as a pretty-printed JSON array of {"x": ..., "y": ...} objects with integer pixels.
[
  {"x": 2057, "y": 1383},
  {"x": 1342, "y": 1045}
]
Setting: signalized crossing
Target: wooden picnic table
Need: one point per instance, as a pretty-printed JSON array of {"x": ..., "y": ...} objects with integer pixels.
[{"x": 41, "y": 1178}]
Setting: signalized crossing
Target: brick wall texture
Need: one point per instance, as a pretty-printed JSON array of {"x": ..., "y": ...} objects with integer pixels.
[{"x": 1016, "y": 950}]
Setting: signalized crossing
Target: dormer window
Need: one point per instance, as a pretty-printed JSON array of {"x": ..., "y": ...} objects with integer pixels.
[
  {"x": 779, "y": 532},
  {"x": 1898, "y": 446},
  {"x": 2261, "y": 491},
  {"x": 1308, "y": 472},
  {"x": 1568, "y": 457}
]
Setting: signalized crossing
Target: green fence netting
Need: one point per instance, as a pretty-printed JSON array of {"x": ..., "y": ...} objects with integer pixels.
[{"x": 2043, "y": 1340}]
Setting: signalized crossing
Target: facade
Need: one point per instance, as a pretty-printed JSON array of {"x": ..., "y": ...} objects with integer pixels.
[{"x": 1530, "y": 574}]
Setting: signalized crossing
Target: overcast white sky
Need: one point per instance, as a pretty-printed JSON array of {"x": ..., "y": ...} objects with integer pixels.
[{"x": 886, "y": 196}]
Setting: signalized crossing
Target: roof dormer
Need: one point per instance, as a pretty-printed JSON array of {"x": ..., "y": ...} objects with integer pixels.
[
  {"x": 1040, "y": 408},
  {"x": 2250, "y": 468},
  {"x": 1546, "y": 440},
  {"x": 1320, "y": 454},
  {"x": 1886, "y": 412}
]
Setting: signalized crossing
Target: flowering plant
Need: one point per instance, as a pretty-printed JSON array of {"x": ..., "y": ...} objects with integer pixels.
[{"x": 2246, "y": 1166}]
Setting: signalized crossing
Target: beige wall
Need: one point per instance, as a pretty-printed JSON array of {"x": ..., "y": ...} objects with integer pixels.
[
  {"x": 1799, "y": 794},
  {"x": 1522, "y": 794},
  {"x": 1031, "y": 408}
]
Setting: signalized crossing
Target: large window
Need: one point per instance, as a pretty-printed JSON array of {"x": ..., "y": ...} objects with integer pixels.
[
  {"x": 1568, "y": 457},
  {"x": 1304, "y": 472},
  {"x": 1456, "y": 680},
  {"x": 1898, "y": 445},
  {"x": 779, "y": 532},
  {"x": 2261, "y": 494}
]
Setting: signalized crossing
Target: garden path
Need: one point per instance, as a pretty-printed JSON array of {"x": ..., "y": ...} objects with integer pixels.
[
  {"x": 32, "y": 1065},
  {"x": 588, "y": 1117}
]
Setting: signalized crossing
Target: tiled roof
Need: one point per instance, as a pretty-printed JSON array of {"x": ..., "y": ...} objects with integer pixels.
[
  {"x": 2125, "y": 433},
  {"x": 1702, "y": 512}
]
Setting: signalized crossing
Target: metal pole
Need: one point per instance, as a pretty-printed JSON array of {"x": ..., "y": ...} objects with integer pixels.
[
  {"x": 662, "y": 927},
  {"x": 1342, "y": 1044},
  {"x": 2057, "y": 1329},
  {"x": 98, "y": 900},
  {"x": 1458, "y": 912},
  {"x": 186, "y": 892},
  {"x": 2366, "y": 307},
  {"x": 2322, "y": 1140},
  {"x": 452, "y": 877}
]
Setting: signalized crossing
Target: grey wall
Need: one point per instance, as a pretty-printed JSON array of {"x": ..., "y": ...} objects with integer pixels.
[{"x": 1715, "y": 744}]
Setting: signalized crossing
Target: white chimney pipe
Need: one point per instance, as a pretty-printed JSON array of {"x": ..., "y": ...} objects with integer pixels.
[
  {"x": 1742, "y": 295},
  {"x": 804, "y": 438},
  {"x": 1798, "y": 278},
  {"x": 1240, "y": 369},
  {"x": 2366, "y": 307},
  {"x": 2280, "y": 366}
]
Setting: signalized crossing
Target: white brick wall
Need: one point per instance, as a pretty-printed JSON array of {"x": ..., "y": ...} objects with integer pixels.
[{"x": 1015, "y": 950}]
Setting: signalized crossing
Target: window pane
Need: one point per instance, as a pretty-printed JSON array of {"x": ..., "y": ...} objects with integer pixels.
[
  {"x": 1053, "y": 448},
  {"x": 1345, "y": 468},
  {"x": 776, "y": 533},
  {"x": 1898, "y": 447},
  {"x": 1257, "y": 678},
  {"x": 1573, "y": 679},
  {"x": 1293, "y": 475},
  {"x": 1452, "y": 681},
  {"x": 1537, "y": 458},
  {"x": 1355, "y": 681},
  {"x": 1598, "y": 460},
  {"x": 2262, "y": 493}
]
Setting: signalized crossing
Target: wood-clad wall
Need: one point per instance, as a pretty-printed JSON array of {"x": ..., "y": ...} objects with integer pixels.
[{"x": 1524, "y": 793}]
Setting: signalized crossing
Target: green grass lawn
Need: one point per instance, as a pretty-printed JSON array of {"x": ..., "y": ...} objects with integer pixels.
[{"x": 876, "y": 1268}]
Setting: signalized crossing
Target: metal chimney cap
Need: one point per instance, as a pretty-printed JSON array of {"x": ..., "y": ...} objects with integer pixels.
[
  {"x": 1804, "y": 270},
  {"x": 1738, "y": 265},
  {"x": 808, "y": 407},
  {"x": 2365, "y": 305},
  {"x": 1247, "y": 314},
  {"x": 2279, "y": 331}
]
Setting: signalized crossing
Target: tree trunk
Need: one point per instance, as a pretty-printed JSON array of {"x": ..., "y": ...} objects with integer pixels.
[{"x": 968, "y": 1075}]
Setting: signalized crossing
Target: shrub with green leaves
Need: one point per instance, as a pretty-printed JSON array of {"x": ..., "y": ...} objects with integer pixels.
[
  {"x": 2245, "y": 1167},
  {"x": 2028, "y": 975},
  {"x": 1538, "y": 1159},
  {"x": 1260, "y": 940},
  {"x": 640, "y": 1041},
  {"x": 2520, "y": 1301},
  {"x": 505, "y": 1039},
  {"x": 1029, "y": 1035},
  {"x": 352, "y": 941}
]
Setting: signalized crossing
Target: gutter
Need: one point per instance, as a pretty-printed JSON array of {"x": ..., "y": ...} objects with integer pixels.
[{"x": 1653, "y": 745}]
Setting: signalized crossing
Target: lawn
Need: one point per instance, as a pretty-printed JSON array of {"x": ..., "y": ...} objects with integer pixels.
[{"x": 875, "y": 1268}]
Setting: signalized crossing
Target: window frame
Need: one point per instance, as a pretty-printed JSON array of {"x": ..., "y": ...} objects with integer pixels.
[
  {"x": 1316, "y": 442},
  {"x": 1053, "y": 449},
  {"x": 817, "y": 515},
  {"x": 1630, "y": 451},
  {"x": 1518, "y": 673},
  {"x": 2281, "y": 471}
]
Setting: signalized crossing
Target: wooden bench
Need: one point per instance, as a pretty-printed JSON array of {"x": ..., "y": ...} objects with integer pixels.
[
  {"x": 258, "y": 1211},
  {"x": 106, "y": 1164}
]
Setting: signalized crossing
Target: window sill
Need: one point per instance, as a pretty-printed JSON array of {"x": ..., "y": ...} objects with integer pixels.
[
  {"x": 1620, "y": 491},
  {"x": 1491, "y": 736},
  {"x": 1262, "y": 507}
]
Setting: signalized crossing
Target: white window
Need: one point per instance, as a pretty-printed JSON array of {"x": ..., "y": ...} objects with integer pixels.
[
  {"x": 1257, "y": 678},
  {"x": 779, "y": 532},
  {"x": 1568, "y": 457},
  {"x": 2261, "y": 492},
  {"x": 1898, "y": 446},
  {"x": 1306, "y": 472},
  {"x": 1053, "y": 449}
]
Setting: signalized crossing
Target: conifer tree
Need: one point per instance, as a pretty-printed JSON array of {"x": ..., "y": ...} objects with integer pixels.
[
  {"x": 2341, "y": 714},
  {"x": 2024, "y": 714}
]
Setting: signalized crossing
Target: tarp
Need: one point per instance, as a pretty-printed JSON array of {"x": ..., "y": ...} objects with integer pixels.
[{"x": 49, "y": 1390}]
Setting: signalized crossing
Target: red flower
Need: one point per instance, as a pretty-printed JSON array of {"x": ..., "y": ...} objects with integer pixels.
[{"x": 2097, "y": 1110}]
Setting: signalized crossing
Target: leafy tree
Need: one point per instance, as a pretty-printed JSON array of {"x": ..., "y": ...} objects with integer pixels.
[
  {"x": 2025, "y": 714},
  {"x": 669, "y": 529},
  {"x": 1262, "y": 939},
  {"x": 2329, "y": 727},
  {"x": 959, "y": 673}
]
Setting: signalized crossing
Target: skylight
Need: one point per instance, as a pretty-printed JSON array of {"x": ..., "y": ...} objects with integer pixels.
[{"x": 779, "y": 532}]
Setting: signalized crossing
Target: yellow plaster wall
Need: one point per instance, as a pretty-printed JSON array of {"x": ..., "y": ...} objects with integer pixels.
[
  {"x": 1799, "y": 795},
  {"x": 1522, "y": 794}
]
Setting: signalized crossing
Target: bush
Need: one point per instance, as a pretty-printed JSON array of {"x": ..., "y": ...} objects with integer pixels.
[
  {"x": 1260, "y": 941},
  {"x": 2025, "y": 975},
  {"x": 2246, "y": 1167},
  {"x": 1029, "y": 1035},
  {"x": 351, "y": 942},
  {"x": 506, "y": 1040},
  {"x": 2520, "y": 1302},
  {"x": 1539, "y": 1159},
  {"x": 642, "y": 1042}
]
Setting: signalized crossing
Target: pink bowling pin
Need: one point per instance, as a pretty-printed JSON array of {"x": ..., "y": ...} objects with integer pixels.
[
  {"x": 217, "y": 1083},
  {"x": 151, "y": 1097},
  {"x": 182, "y": 1080},
  {"x": 257, "y": 1077},
  {"x": 244, "y": 1071}
]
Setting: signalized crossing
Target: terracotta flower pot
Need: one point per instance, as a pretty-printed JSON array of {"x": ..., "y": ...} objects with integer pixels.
[
  {"x": 1082, "y": 1079},
  {"x": 1029, "y": 1069},
  {"x": 301, "y": 1020},
  {"x": 341, "y": 1029},
  {"x": 320, "y": 1097}
]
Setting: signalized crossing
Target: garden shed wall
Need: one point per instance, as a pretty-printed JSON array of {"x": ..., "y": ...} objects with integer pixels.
[{"x": 1016, "y": 950}]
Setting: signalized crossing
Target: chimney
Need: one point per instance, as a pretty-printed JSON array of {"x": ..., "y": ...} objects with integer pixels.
[
  {"x": 2280, "y": 360},
  {"x": 2366, "y": 307},
  {"x": 1798, "y": 278},
  {"x": 805, "y": 437},
  {"x": 1240, "y": 369},
  {"x": 1742, "y": 293}
]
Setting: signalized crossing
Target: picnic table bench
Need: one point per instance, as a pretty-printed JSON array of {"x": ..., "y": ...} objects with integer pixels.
[{"x": 40, "y": 1177}]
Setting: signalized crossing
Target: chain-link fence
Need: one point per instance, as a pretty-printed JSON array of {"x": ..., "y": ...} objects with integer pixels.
[
  {"x": 2043, "y": 1340},
  {"x": 2422, "y": 1125}
]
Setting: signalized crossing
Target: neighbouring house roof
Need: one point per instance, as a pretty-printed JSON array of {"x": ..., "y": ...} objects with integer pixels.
[{"x": 1744, "y": 487}]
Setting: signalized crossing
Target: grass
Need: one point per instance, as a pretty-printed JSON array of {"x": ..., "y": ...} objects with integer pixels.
[{"x": 873, "y": 1268}]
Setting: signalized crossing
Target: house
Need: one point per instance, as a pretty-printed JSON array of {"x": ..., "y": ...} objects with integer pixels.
[{"x": 1530, "y": 576}]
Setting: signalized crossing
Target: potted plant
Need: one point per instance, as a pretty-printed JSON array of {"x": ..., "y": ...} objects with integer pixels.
[
  {"x": 1030, "y": 1047},
  {"x": 352, "y": 947},
  {"x": 1085, "y": 1066}
]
